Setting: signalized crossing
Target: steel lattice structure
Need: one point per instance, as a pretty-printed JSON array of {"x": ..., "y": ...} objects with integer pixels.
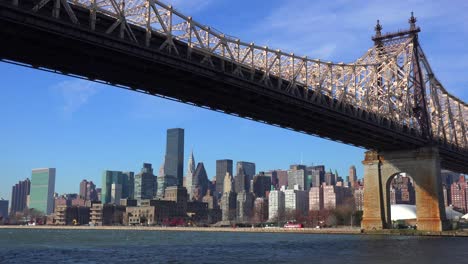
[{"x": 393, "y": 80}]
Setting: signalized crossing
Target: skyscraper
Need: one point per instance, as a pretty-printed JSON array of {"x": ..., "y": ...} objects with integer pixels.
[
  {"x": 241, "y": 181},
  {"x": 3, "y": 209},
  {"x": 222, "y": 167},
  {"x": 189, "y": 177},
  {"x": 248, "y": 167},
  {"x": 352, "y": 176},
  {"x": 19, "y": 195},
  {"x": 42, "y": 190},
  {"x": 200, "y": 182},
  {"x": 261, "y": 184},
  {"x": 83, "y": 189},
  {"x": 164, "y": 180},
  {"x": 109, "y": 178},
  {"x": 276, "y": 205},
  {"x": 273, "y": 177},
  {"x": 330, "y": 178},
  {"x": 116, "y": 193},
  {"x": 88, "y": 191},
  {"x": 128, "y": 184},
  {"x": 228, "y": 200},
  {"x": 282, "y": 178},
  {"x": 317, "y": 173},
  {"x": 297, "y": 176},
  {"x": 144, "y": 183},
  {"x": 174, "y": 164}
]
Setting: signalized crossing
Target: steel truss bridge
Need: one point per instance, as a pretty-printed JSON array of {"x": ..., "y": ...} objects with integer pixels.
[{"x": 388, "y": 99}]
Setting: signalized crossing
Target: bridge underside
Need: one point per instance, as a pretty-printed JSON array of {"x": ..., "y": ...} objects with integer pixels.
[{"x": 44, "y": 42}]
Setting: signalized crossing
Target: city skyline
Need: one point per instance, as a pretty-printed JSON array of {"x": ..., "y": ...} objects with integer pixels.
[{"x": 85, "y": 130}]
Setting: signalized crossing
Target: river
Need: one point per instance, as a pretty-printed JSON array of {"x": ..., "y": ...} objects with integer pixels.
[{"x": 127, "y": 246}]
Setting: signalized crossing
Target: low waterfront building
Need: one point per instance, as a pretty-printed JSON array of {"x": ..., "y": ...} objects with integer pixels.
[
  {"x": 106, "y": 214},
  {"x": 198, "y": 211},
  {"x": 71, "y": 215},
  {"x": 177, "y": 194},
  {"x": 142, "y": 215}
]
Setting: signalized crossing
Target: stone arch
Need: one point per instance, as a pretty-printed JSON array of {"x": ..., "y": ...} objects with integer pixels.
[
  {"x": 423, "y": 166},
  {"x": 387, "y": 196}
]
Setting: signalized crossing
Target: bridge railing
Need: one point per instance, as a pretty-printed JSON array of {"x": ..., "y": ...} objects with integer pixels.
[{"x": 348, "y": 83}]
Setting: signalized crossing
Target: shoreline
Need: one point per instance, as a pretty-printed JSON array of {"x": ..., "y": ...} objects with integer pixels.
[{"x": 323, "y": 231}]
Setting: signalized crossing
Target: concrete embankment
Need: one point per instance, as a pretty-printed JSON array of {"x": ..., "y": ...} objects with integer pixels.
[
  {"x": 199, "y": 229},
  {"x": 331, "y": 231}
]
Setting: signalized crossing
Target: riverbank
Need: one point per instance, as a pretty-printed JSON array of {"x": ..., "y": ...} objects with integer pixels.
[{"x": 330, "y": 231}]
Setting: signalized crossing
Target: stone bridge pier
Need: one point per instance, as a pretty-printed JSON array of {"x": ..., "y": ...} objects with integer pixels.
[{"x": 423, "y": 166}]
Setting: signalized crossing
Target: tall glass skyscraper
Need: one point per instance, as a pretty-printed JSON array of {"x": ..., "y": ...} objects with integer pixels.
[
  {"x": 174, "y": 163},
  {"x": 222, "y": 167},
  {"x": 42, "y": 190},
  {"x": 109, "y": 178},
  {"x": 128, "y": 186}
]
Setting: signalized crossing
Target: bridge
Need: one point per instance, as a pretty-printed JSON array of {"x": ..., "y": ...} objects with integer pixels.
[{"x": 388, "y": 101}]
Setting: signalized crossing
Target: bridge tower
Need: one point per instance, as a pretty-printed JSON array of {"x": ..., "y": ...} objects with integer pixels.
[{"x": 422, "y": 164}]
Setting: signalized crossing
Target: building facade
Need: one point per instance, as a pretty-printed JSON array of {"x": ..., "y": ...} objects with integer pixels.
[
  {"x": 200, "y": 183},
  {"x": 19, "y": 195},
  {"x": 248, "y": 168},
  {"x": 244, "y": 207},
  {"x": 352, "y": 178},
  {"x": 316, "y": 198},
  {"x": 174, "y": 164},
  {"x": 282, "y": 178},
  {"x": 276, "y": 202},
  {"x": 296, "y": 201},
  {"x": 317, "y": 174},
  {"x": 241, "y": 181},
  {"x": 261, "y": 185},
  {"x": 128, "y": 185},
  {"x": 109, "y": 178},
  {"x": 222, "y": 167},
  {"x": 144, "y": 183},
  {"x": 459, "y": 197},
  {"x": 189, "y": 176},
  {"x": 260, "y": 213},
  {"x": 358, "y": 197},
  {"x": 42, "y": 190},
  {"x": 3, "y": 209},
  {"x": 297, "y": 176}
]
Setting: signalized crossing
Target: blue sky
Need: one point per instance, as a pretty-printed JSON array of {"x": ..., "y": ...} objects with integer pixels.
[{"x": 82, "y": 128}]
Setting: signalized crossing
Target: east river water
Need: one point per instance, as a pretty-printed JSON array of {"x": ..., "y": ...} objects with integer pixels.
[{"x": 127, "y": 246}]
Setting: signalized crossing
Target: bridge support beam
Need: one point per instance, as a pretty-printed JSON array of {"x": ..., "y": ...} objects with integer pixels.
[{"x": 423, "y": 166}]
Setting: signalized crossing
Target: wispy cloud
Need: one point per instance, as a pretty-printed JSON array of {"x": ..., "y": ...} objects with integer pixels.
[
  {"x": 341, "y": 31},
  {"x": 75, "y": 94},
  {"x": 152, "y": 108},
  {"x": 192, "y": 6},
  {"x": 306, "y": 27}
]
